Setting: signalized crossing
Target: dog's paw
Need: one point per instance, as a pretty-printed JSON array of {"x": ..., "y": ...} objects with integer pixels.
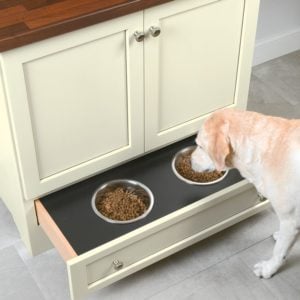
[
  {"x": 275, "y": 235},
  {"x": 265, "y": 269}
]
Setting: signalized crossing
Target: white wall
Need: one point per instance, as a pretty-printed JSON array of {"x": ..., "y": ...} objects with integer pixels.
[{"x": 278, "y": 29}]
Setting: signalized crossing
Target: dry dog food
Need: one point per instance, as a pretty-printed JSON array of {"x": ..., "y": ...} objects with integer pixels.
[
  {"x": 184, "y": 168},
  {"x": 121, "y": 204}
]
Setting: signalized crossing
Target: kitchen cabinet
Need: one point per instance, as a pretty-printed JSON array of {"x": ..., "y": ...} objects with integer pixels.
[{"x": 79, "y": 106}]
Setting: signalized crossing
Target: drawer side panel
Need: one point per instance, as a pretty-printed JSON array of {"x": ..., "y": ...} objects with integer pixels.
[{"x": 53, "y": 232}]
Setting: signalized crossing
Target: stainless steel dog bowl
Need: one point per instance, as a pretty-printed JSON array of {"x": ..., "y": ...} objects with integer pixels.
[
  {"x": 174, "y": 162},
  {"x": 131, "y": 185}
]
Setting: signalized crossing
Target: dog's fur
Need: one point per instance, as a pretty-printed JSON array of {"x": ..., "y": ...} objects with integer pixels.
[{"x": 266, "y": 151}]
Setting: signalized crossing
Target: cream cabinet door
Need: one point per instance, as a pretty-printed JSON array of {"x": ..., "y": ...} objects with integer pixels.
[
  {"x": 76, "y": 103},
  {"x": 191, "y": 67}
]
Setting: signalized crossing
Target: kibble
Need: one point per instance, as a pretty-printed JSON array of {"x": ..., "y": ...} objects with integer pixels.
[
  {"x": 121, "y": 204},
  {"x": 184, "y": 168}
]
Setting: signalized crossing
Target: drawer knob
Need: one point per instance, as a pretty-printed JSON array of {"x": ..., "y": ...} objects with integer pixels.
[
  {"x": 261, "y": 197},
  {"x": 139, "y": 36},
  {"x": 118, "y": 265},
  {"x": 154, "y": 31}
]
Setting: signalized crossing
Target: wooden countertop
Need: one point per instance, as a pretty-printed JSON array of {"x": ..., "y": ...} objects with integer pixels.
[{"x": 25, "y": 21}]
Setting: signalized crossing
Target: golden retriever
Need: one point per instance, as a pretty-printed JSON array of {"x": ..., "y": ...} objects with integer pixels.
[{"x": 266, "y": 151}]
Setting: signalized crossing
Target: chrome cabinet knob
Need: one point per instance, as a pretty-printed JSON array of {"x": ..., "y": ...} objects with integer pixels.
[
  {"x": 118, "y": 265},
  {"x": 139, "y": 36},
  {"x": 154, "y": 31},
  {"x": 261, "y": 198}
]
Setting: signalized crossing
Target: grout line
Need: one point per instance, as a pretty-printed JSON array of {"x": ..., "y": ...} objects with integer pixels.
[
  {"x": 207, "y": 268},
  {"x": 262, "y": 281},
  {"x": 29, "y": 270}
]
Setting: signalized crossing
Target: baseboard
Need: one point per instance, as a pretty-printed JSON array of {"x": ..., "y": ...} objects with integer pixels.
[{"x": 277, "y": 46}]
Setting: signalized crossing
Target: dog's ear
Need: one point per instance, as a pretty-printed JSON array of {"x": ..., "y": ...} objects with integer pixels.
[{"x": 219, "y": 144}]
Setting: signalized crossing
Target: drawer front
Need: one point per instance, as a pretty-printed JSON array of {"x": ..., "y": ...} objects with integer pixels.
[
  {"x": 171, "y": 235},
  {"x": 165, "y": 236}
]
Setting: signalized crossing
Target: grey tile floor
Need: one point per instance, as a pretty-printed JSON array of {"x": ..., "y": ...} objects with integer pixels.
[{"x": 219, "y": 267}]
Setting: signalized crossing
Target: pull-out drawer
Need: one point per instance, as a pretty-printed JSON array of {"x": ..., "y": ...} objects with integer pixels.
[{"x": 98, "y": 253}]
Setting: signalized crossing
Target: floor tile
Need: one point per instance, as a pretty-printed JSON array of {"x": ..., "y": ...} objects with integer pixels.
[
  {"x": 16, "y": 282},
  {"x": 285, "y": 283},
  {"x": 260, "y": 94},
  {"x": 281, "y": 77},
  {"x": 48, "y": 270},
  {"x": 229, "y": 279},
  {"x": 8, "y": 230}
]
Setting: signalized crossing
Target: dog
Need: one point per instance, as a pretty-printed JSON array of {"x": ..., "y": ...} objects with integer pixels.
[{"x": 266, "y": 151}]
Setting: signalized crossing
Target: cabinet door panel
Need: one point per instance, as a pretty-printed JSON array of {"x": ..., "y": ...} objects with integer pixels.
[
  {"x": 191, "y": 68},
  {"x": 79, "y": 103},
  {"x": 78, "y": 112}
]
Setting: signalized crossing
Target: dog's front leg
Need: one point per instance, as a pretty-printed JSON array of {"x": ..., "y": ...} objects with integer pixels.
[{"x": 285, "y": 239}]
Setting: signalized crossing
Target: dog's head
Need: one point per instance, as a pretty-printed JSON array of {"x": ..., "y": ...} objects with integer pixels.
[{"x": 213, "y": 145}]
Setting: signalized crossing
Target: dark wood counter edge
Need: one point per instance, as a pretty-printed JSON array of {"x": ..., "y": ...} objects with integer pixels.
[{"x": 69, "y": 25}]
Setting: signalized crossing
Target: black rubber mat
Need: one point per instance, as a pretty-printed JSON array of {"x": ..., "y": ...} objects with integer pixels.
[{"x": 71, "y": 207}]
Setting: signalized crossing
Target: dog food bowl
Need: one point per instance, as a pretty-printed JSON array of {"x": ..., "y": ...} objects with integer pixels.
[
  {"x": 189, "y": 181},
  {"x": 130, "y": 186}
]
